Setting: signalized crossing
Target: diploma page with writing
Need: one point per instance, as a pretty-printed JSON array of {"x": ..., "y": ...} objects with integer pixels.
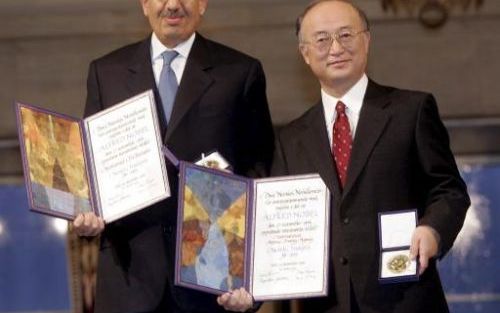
[
  {"x": 128, "y": 166},
  {"x": 290, "y": 237}
]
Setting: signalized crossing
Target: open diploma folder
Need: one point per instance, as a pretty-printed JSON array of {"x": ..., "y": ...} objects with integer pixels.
[
  {"x": 270, "y": 236},
  {"x": 109, "y": 163}
]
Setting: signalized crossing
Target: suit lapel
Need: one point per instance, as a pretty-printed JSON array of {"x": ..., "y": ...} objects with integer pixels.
[
  {"x": 372, "y": 121},
  {"x": 195, "y": 81},
  {"x": 316, "y": 145},
  {"x": 141, "y": 77}
]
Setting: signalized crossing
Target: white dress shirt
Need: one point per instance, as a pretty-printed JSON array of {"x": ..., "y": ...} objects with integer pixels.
[
  {"x": 353, "y": 101},
  {"x": 178, "y": 64}
]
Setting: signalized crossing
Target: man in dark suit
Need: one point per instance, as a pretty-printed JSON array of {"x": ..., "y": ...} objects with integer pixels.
[
  {"x": 220, "y": 105},
  {"x": 379, "y": 149}
]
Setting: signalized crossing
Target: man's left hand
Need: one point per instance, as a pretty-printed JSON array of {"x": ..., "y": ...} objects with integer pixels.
[
  {"x": 424, "y": 244},
  {"x": 238, "y": 300}
]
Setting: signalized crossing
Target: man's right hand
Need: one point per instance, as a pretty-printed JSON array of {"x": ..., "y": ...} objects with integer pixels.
[{"x": 88, "y": 224}]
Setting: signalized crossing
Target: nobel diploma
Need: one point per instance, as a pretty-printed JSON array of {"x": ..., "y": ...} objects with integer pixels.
[
  {"x": 110, "y": 163},
  {"x": 270, "y": 236}
]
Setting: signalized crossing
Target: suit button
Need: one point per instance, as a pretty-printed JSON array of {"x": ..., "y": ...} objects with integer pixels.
[
  {"x": 343, "y": 260},
  {"x": 346, "y": 221}
]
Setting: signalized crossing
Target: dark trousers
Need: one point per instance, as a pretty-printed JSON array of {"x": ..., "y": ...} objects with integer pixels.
[{"x": 354, "y": 303}]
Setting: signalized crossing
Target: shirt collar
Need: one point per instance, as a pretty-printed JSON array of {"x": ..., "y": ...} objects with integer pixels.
[
  {"x": 353, "y": 99},
  {"x": 157, "y": 48}
]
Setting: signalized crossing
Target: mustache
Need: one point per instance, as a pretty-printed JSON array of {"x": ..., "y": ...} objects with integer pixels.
[{"x": 172, "y": 14}]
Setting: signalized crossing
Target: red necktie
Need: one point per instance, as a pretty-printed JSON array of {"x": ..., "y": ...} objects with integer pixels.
[{"x": 342, "y": 142}]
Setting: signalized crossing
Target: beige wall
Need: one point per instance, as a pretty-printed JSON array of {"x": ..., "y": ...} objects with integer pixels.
[
  {"x": 457, "y": 62},
  {"x": 45, "y": 48}
]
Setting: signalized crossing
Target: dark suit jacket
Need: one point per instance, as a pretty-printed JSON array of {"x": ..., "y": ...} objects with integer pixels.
[
  {"x": 400, "y": 160},
  {"x": 220, "y": 105}
]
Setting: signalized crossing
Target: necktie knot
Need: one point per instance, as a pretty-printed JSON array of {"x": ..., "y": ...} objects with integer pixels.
[
  {"x": 169, "y": 56},
  {"x": 340, "y": 107}
]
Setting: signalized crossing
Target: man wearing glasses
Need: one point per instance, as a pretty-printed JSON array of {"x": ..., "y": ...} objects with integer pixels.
[{"x": 379, "y": 149}]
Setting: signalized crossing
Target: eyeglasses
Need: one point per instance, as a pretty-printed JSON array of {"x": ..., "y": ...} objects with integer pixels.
[{"x": 322, "y": 41}]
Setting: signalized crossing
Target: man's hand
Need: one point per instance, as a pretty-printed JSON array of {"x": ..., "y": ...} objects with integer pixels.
[
  {"x": 88, "y": 224},
  {"x": 238, "y": 300},
  {"x": 424, "y": 244}
]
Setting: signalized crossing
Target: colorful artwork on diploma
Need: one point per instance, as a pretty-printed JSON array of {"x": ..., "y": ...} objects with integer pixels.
[
  {"x": 54, "y": 153},
  {"x": 213, "y": 230}
]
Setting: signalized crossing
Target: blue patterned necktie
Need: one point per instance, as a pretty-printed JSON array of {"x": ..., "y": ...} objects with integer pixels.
[{"x": 168, "y": 84}]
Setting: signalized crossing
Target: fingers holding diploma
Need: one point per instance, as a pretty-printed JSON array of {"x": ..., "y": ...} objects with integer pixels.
[
  {"x": 238, "y": 300},
  {"x": 88, "y": 224}
]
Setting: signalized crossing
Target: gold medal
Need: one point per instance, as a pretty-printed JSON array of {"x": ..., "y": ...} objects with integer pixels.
[
  {"x": 398, "y": 263},
  {"x": 213, "y": 164}
]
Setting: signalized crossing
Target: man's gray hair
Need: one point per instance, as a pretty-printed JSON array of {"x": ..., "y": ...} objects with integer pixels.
[{"x": 312, "y": 4}]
